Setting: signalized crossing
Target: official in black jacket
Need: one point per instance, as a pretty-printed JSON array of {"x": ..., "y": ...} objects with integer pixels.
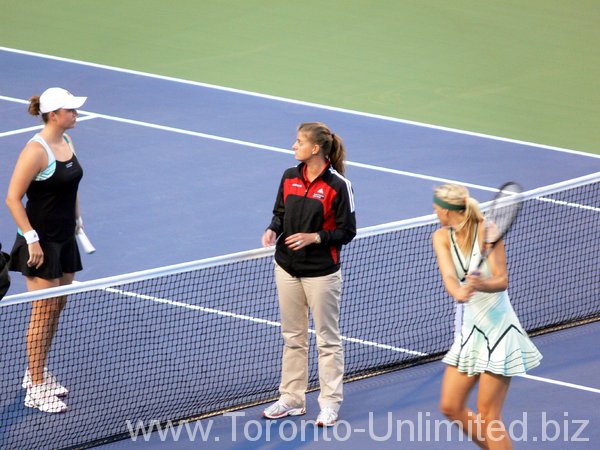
[{"x": 313, "y": 218}]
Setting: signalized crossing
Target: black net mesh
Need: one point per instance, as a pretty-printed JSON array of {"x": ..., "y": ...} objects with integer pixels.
[{"x": 200, "y": 341}]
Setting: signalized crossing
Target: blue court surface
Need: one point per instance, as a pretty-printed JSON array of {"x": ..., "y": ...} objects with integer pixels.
[
  {"x": 177, "y": 171},
  {"x": 399, "y": 410}
]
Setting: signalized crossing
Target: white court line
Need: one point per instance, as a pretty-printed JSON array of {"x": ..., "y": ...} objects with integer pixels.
[
  {"x": 252, "y": 319},
  {"x": 528, "y": 145},
  {"x": 92, "y": 115},
  {"x": 21, "y": 130},
  {"x": 264, "y": 147},
  {"x": 561, "y": 383},
  {"x": 569, "y": 204},
  {"x": 38, "y": 127}
]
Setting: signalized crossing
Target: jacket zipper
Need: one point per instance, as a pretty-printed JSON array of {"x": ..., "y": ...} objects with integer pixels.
[{"x": 302, "y": 208}]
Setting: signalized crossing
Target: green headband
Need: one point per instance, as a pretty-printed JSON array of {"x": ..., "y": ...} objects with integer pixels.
[{"x": 438, "y": 201}]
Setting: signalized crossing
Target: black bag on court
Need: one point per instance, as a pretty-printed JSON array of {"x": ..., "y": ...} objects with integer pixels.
[{"x": 4, "y": 276}]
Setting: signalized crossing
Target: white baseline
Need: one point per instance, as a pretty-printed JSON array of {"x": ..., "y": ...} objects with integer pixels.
[{"x": 297, "y": 102}]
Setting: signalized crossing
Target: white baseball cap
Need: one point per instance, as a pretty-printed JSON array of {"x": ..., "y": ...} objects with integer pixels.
[{"x": 56, "y": 98}]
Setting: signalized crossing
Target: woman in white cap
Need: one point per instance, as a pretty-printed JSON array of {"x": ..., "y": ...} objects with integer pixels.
[{"x": 45, "y": 249}]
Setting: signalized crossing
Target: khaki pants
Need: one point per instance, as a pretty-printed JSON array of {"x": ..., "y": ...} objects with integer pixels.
[{"x": 322, "y": 296}]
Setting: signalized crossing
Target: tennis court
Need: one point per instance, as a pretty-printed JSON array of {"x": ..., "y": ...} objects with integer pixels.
[{"x": 166, "y": 157}]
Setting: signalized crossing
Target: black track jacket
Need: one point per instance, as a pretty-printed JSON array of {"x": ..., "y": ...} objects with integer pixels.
[{"x": 325, "y": 206}]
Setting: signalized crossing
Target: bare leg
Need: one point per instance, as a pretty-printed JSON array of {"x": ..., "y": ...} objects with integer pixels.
[
  {"x": 456, "y": 387},
  {"x": 43, "y": 324},
  {"x": 490, "y": 400}
]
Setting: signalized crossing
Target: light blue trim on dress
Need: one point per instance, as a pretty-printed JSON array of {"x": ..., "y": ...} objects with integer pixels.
[{"x": 51, "y": 168}]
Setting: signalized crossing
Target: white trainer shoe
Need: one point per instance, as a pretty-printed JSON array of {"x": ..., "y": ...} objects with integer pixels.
[
  {"x": 39, "y": 397},
  {"x": 327, "y": 417},
  {"x": 52, "y": 384},
  {"x": 280, "y": 409}
]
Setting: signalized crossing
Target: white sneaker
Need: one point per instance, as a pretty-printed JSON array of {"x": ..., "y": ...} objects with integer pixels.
[
  {"x": 327, "y": 417},
  {"x": 50, "y": 381},
  {"x": 280, "y": 409},
  {"x": 39, "y": 397}
]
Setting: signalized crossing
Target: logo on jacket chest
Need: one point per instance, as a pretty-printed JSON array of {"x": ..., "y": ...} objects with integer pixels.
[{"x": 319, "y": 194}]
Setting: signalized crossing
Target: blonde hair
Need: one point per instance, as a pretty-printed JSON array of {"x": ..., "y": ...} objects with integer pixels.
[{"x": 458, "y": 195}]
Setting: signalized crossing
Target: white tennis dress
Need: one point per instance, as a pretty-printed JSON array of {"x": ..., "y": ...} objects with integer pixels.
[{"x": 489, "y": 336}]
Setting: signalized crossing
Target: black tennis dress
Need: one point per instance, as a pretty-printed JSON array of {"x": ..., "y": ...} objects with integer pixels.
[{"x": 51, "y": 202}]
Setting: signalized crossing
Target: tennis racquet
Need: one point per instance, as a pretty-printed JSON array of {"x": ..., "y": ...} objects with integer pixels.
[
  {"x": 84, "y": 242},
  {"x": 500, "y": 217}
]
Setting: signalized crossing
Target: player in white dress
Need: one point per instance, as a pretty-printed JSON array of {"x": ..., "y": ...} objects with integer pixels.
[{"x": 490, "y": 344}]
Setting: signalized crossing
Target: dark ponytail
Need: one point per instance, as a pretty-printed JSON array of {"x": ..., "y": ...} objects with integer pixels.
[
  {"x": 34, "y": 108},
  {"x": 337, "y": 155},
  {"x": 330, "y": 144}
]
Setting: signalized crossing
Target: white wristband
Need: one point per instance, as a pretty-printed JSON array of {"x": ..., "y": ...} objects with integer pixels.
[
  {"x": 79, "y": 222},
  {"x": 31, "y": 236}
]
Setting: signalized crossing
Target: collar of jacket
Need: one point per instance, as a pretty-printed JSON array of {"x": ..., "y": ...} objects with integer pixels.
[{"x": 301, "y": 167}]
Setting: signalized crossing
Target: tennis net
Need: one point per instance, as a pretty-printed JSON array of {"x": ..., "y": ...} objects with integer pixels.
[{"x": 199, "y": 338}]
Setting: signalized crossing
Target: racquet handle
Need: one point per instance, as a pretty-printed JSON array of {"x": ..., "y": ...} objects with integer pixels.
[
  {"x": 84, "y": 242},
  {"x": 483, "y": 257}
]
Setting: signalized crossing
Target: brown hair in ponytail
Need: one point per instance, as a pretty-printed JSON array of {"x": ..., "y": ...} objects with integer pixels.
[
  {"x": 330, "y": 144},
  {"x": 34, "y": 108}
]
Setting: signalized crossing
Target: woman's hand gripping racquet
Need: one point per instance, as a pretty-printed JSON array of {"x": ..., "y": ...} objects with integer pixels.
[{"x": 500, "y": 217}]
